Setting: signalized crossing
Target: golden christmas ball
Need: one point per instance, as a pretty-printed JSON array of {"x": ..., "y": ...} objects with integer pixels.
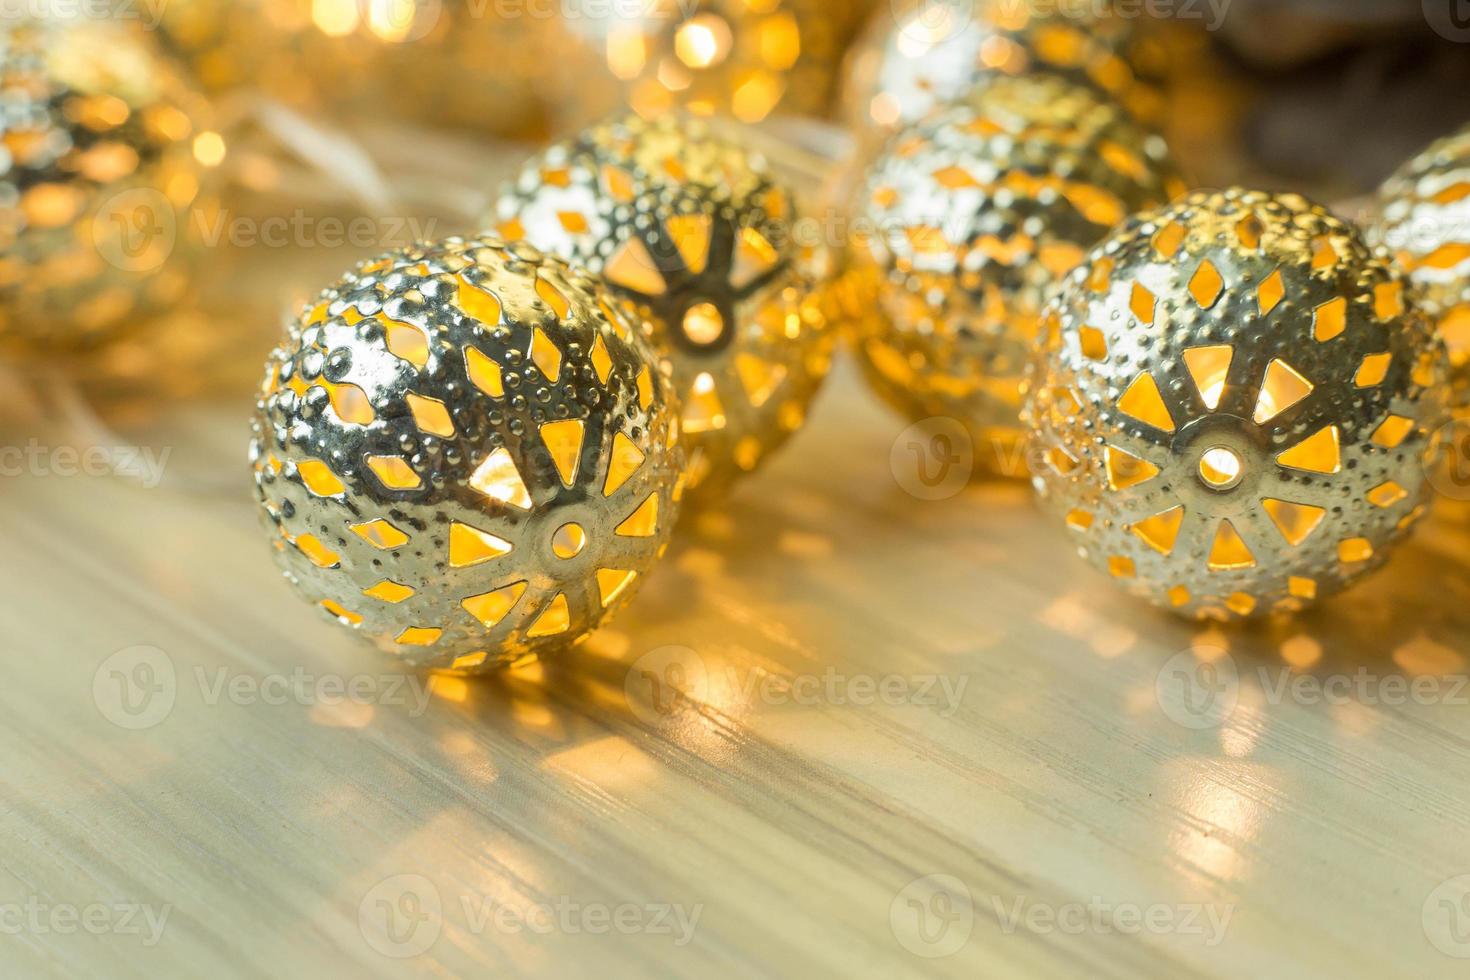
[
  {"x": 1424, "y": 222},
  {"x": 916, "y": 55},
  {"x": 465, "y": 452},
  {"x": 966, "y": 221},
  {"x": 434, "y": 63},
  {"x": 742, "y": 58},
  {"x": 697, "y": 235},
  {"x": 102, "y": 147},
  {"x": 1235, "y": 404}
]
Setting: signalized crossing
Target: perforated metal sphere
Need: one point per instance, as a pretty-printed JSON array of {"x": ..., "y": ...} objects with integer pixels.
[
  {"x": 1235, "y": 404},
  {"x": 1425, "y": 224},
  {"x": 466, "y": 453},
  {"x": 696, "y": 234},
  {"x": 968, "y": 218},
  {"x": 97, "y": 173},
  {"x": 916, "y": 55}
]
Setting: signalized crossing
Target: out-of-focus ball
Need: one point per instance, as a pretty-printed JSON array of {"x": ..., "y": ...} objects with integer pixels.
[
  {"x": 489, "y": 67},
  {"x": 466, "y": 453},
  {"x": 697, "y": 235},
  {"x": 1425, "y": 224},
  {"x": 967, "y": 220},
  {"x": 1235, "y": 405},
  {"x": 915, "y": 55},
  {"x": 101, "y": 144},
  {"x": 743, "y": 58}
]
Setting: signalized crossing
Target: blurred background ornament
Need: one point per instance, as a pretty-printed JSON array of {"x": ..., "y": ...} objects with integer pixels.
[
  {"x": 967, "y": 220},
  {"x": 501, "y": 70},
  {"x": 102, "y": 150},
  {"x": 742, "y": 58},
  {"x": 467, "y": 453},
  {"x": 1235, "y": 405},
  {"x": 917, "y": 54},
  {"x": 1424, "y": 222},
  {"x": 697, "y": 235}
]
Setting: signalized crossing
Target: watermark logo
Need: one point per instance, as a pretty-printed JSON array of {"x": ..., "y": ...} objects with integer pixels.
[
  {"x": 140, "y": 463},
  {"x": 930, "y": 22},
  {"x": 1207, "y": 921},
  {"x": 40, "y": 918},
  {"x": 1446, "y": 917},
  {"x": 933, "y": 459},
  {"x": 663, "y": 682},
  {"x": 135, "y": 688},
  {"x": 1450, "y": 19},
  {"x": 1198, "y": 688},
  {"x": 135, "y": 230},
  {"x": 1448, "y": 468},
  {"x": 933, "y": 916},
  {"x": 401, "y": 916}
]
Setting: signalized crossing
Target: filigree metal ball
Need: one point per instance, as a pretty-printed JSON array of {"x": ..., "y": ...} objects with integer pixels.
[
  {"x": 696, "y": 234},
  {"x": 100, "y": 143},
  {"x": 968, "y": 218},
  {"x": 465, "y": 452},
  {"x": 1234, "y": 405},
  {"x": 1425, "y": 224},
  {"x": 919, "y": 54}
]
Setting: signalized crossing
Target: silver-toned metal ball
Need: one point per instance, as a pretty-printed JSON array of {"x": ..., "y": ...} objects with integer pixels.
[
  {"x": 465, "y": 452},
  {"x": 1234, "y": 405},
  {"x": 966, "y": 221},
  {"x": 695, "y": 233}
]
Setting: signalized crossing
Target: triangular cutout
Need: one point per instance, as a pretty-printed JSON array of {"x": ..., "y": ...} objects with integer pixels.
[
  {"x": 470, "y": 546},
  {"x": 611, "y": 582},
  {"x": 622, "y": 463},
  {"x": 1143, "y": 402},
  {"x": 1229, "y": 550},
  {"x": 499, "y": 479},
  {"x": 554, "y": 618},
  {"x": 1296, "y": 522},
  {"x": 703, "y": 409},
  {"x": 633, "y": 268},
  {"x": 1318, "y": 453},
  {"x": 754, "y": 256},
  {"x": 643, "y": 522},
  {"x": 690, "y": 233},
  {"x": 759, "y": 377},
  {"x": 1160, "y": 531},
  {"x": 564, "y": 441},
  {"x": 1282, "y": 387},
  {"x": 1209, "y": 366},
  {"x": 1127, "y": 470},
  {"x": 491, "y": 607}
]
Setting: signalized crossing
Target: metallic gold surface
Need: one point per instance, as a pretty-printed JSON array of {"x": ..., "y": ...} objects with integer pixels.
[
  {"x": 1235, "y": 405},
  {"x": 915, "y": 55},
  {"x": 102, "y": 147},
  {"x": 696, "y": 233},
  {"x": 967, "y": 220},
  {"x": 464, "y": 452},
  {"x": 1424, "y": 221}
]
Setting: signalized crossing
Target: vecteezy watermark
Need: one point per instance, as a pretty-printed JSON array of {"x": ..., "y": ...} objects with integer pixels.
[
  {"x": 141, "y": 463},
  {"x": 932, "y": 916},
  {"x": 933, "y": 459},
  {"x": 302, "y": 230},
  {"x": 1099, "y": 916},
  {"x": 1200, "y": 688},
  {"x": 1448, "y": 467},
  {"x": 403, "y": 916},
  {"x": 1446, "y": 917},
  {"x": 137, "y": 688},
  {"x": 36, "y": 917},
  {"x": 1450, "y": 19},
  {"x": 147, "y": 12},
  {"x": 665, "y": 682},
  {"x": 135, "y": 230}
]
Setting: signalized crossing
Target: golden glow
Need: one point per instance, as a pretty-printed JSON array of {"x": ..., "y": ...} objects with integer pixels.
[
  {"x": 703, "y": 40},
  {"x": 1220, "y": 468},
  {"x": 703, "y": 323},
  {"x": 209, "y": 148},
  {"x": 568, "y": 540}
]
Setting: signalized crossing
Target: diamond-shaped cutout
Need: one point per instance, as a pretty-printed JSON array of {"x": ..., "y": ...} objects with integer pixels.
[
  {"x": 1354, "y": 550},
  {"x": 1317, "y": 453},
  {"x": 613, "y": 582},
  {"x": 470, "y": 546},
  {"x": 388, "y": 591},
  {"x": 350, "y": 403},
  {"x": 1121, "y": 566},
  {"x": 1296, "y": 522},
  {"x": 1127, "y": 470},
  {"x": 545, "y": 354},
  {"x": 319, "y": 554},
  {"x": 1373, "y": 370},
  {"x": 1100, "y": 276},
  {"x": 430, "y": 415},
  {"x": 1209, "y": 366},
  {"x": 1270, "y": 292},
  {"x": 645, "y": 388},
  {"x": 622, "y": 463},
  {"x": 1392, "y": 431},
  {"x": 1248, "y": 231},
  {"x": 319, "y": 478},
  {"x": 380, "y": 534},
  {"x": 554, "y": 618},
  {"x": 420, "y": 636},
  {"x": 1160, "y": 531},
  {"x": 407, "y": 341},
  {"x": 1143, "y": 403},
  {"x": 1386, "y": 494},
  {"x": 572, "y": 222},
  {"x": 345, "y": 615},
  {"x": 477, "y": 303},
  {"x": 1093, "y": 344},
  {"x": 553, "y": 298},
  {"x": 1324, "y": 256},
  {"x": 601, "y": 360},
  {"x": 1168, "y": 239},
  {"x": 394, "y": 473},
  {"x": 954, "y": 177},
  {"x": 1282, "y": 387},
  {"x": 499, "y": 479},
  {"x": 1206, "y": 285},
  {"x": 1142, "y": 303},
  {"x": 1388, "y": 300},
  {"x": 564, "y": 441},
  {"x": 1229, "y": 552},
  {"x": 490, "y": 608},
  {"x": 643, "y": 522},
  {"x": 483, "y": 373},
  {"x": 1329, "y": 319}
]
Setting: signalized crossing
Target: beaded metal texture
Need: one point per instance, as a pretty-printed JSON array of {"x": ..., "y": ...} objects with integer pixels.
[
  {"x": 97, "y": 172},
  {"x": 969, "y": 218},
  {"x": 1425, "y": 224},
  {"x": 465, "y": 452},
  {"x": 920, "y": 54},
  {"x": 1235, "y": 404},
  {"x": 696, "y": 234}
]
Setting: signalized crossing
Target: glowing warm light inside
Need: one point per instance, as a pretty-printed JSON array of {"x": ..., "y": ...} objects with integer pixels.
[
  {"x": 703, "y": 40},
  {"x": 1220, "y": 468},
  {"x": 703, "y": 323},
  {"x": 209, "y": 149},
  {"x": 568, "y": 540}
]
